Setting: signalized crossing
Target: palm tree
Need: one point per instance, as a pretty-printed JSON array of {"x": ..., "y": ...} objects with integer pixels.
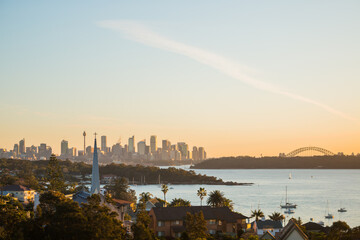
[
  {"x": 276, "y": 216},
  {"x": 201, "y": 193},
  {"x": 257, "y": 214},
  {"x": 145, "y": 197},
  {"x": 164, "y": 189},
  {"x": 216, "y": 198}
]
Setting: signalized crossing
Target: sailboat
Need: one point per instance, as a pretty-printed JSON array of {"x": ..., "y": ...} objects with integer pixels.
[
  {"x": 329, "y": 215},
  {"x": 287, "y": 204},
  {"x": 290, "y": 176}
]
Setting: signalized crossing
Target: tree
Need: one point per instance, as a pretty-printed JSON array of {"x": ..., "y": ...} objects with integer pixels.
[
  {"x": 12, "y": 219},
  {"x": 179, "y": 202},
  {"x": 101, "y": 222},
  {"x": 164, "y": 189},
  {"x": 276, "y": 216},
  {"x": 257, "y": 214},
  {"x": 145, "y": 197},
  {"x": 120, "y": 190},
  {"x": 195, "y": 226},
  {"x": 141, "y": 229},
  {"x": 55, "y": 176},
  {"x": 60, "y": 217},
  {"x": 217, "y": 199},
  {"x": 201, "y": 193},
  {"x": 339, "y": 230}
]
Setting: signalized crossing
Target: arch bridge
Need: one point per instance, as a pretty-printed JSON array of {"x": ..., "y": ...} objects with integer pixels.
[{"x": 306, "y": 149}]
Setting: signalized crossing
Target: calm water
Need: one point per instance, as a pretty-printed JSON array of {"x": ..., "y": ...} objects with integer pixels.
[{"x": 310, "y": 189}]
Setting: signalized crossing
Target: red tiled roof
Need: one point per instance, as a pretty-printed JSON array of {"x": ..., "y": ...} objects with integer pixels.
[{"x": 121, "y": 202}]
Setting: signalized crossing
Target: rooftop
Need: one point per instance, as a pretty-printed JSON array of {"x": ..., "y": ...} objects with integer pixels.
[
  {"x": 16, "y": 188},
  {"x": 179, "y": 213}
]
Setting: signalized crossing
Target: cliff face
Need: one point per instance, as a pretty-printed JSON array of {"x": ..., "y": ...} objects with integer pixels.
[{"x": 320, "y": 162}]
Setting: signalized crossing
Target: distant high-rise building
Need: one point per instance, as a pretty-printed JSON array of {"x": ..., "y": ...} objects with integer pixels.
[
  {"x": 22, "y": 146},
  {"x": 132, "y": 144},
  {"x": 183, "y": 148},
  {"x": 71, "y": 152},
  {"x": 201, "y": 153},
  {"x": 64, "y": 147},
  {"x": 147, "y": 149},
  {"x": 89, "y": 150},
  {"x": 16, "y": 149},
  {"x": 42, "y": 150},
  {"x": 103, "y": 144},
  {"x": 166, "y": 145},
  {"x": 34, "y": 149},
  {"x": 153, "y": 146},
  {"x": 195, "y": 154},
  {"x": 142, "y": 147}
]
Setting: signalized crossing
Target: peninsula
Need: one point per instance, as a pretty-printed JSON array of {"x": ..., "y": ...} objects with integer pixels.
[{"x": 315, "y": 162}]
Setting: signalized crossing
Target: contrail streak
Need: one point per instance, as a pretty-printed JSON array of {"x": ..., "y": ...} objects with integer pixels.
[{"x": 139, "y": 33}]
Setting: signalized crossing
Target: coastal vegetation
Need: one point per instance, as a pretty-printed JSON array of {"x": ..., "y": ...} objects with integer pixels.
[
  {"x": 315, "y": 162},
  {"x": 73, "y": 172}
]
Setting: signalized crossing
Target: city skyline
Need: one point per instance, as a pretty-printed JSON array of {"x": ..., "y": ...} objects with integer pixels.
[
  {"x": 131, "y": 150},
  {"x": 257, "y": 79}
]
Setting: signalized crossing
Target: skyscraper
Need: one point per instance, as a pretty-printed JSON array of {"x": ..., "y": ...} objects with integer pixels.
[
  {"x": 142, "y": 147},
  {"x": 16, "y": 149},
  {"x": 95, "y": 179},
  {"x": 153, "y": 146},
  {"x": 132, "y": 144},
  {"x": 195, "y": 154},
  {"x": 22, "y": 146},
  {"x": 64, "y": 147},
  {"x": 201, "y": 153},
  {"x": 103, "y": 144},
  {"x": 183, "y": 148},
  {"x": 166, "y": 145}
]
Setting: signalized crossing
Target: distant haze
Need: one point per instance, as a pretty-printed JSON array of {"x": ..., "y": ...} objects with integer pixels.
[{"x": 237, "y": 78}]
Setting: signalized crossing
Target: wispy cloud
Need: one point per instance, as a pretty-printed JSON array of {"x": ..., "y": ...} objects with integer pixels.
[{"x": 139, "y": 33}]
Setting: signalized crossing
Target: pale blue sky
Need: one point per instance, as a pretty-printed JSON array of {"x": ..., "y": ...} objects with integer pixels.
[{"x": 61, "y": 73}]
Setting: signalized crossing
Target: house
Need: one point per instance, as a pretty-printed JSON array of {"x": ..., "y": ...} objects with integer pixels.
[
  {"x": 153, "y": 203},
  {"x": 123, "y": 207},
  {"x": 292, "y": 231},
  {"x": 267, "y": 235},
  {"x": 22, "y": 193},
  {"x": 262, "y": 226},
  {"x": 108, "y": 178},
  {"x": 315, "y": 227},
  {"x": 170, "y": 221},
  {"x": 81, "y": 197}
]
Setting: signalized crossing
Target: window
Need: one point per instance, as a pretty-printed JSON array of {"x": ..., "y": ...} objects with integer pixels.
[
  {"x": 161, "y": 234},
  {"x": 212, "y": 232},
  {"x": 220, "y": 222},
  {"x": 161, "y": 223},
  {"x": 178, "y": 235},
  {"x": 212, "y": 221}
]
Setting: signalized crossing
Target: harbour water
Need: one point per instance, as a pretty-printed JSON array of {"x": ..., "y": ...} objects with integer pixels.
[{"x": 310, "y": 189}]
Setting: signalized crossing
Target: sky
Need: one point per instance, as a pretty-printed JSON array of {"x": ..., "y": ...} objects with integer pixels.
[{"x": 236, "y": 77}]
